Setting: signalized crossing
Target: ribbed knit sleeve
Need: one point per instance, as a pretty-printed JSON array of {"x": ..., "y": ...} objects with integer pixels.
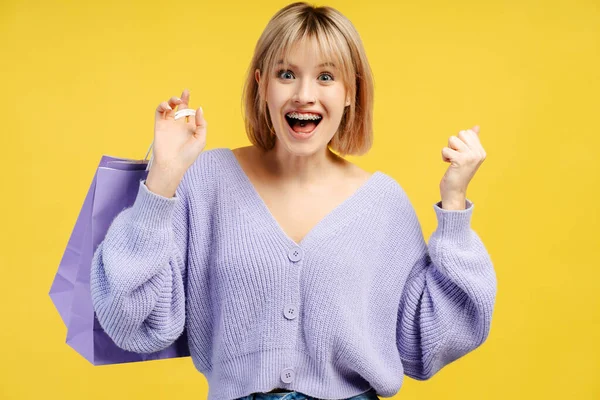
[
  {"x": 138, "y": 272},
  {"x": 446, "y": 306}
]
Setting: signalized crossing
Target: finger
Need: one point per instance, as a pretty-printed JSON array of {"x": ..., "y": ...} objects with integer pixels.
[
  {"x": 200, "y": 121},
  {"x": 474, "y": 135},
  {"x": 174, "y": 102},
  {"x": 448, "y": 154},
  {"x": 162, "y": 109},
  {"x": 471, "y": 139},
  {"x": 475, "y": 143},
  {"x": 185, "y": 100},
  {"x": 456, "y": 143}
]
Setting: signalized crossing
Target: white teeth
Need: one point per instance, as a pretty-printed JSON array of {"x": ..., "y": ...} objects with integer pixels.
[{"x": 296, "y": 115}]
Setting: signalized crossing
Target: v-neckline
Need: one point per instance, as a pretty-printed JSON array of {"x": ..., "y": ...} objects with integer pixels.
[{"x": 356, "y": 202}]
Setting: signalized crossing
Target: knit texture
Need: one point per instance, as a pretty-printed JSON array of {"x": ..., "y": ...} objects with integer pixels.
[{"x": 358, "y": 303}]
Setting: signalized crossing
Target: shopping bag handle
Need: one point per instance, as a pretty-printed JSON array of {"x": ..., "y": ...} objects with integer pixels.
[{"x": 151, "y": 158}]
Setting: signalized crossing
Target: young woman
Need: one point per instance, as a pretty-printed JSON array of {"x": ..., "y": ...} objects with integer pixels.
[{"x": 295, "y": 273}]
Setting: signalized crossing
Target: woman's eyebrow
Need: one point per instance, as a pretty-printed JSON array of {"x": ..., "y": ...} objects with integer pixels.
[{"x": 325, "y": 64}]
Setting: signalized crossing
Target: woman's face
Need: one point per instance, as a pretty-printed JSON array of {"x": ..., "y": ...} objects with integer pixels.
[{"x": 306, "y": 99}]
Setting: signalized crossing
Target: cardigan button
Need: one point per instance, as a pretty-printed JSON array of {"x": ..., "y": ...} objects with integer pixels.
[
  {"x": 295, "y": 254},
  {"x": 287, "y": 375},
  {"x": 290, "y": 311}
]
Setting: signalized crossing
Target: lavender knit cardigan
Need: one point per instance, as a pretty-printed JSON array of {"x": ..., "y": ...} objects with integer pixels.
[{"x": 360, "y": 302}]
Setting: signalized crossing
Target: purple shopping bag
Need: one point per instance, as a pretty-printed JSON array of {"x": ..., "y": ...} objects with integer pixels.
[{"x": 113, "y": 189}]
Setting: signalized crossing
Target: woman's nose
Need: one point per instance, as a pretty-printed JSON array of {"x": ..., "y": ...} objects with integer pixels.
[{"x": 305, "y": 93}]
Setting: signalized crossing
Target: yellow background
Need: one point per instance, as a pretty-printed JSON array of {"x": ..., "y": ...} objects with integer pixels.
[{"x": 80, "y": 80}]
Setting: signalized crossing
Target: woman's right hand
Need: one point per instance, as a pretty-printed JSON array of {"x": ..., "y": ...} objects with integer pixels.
[{"x": 177, "y": 143}]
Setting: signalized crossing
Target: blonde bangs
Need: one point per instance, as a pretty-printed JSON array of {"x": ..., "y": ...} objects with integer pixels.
[{"x": 332, "y": 47}]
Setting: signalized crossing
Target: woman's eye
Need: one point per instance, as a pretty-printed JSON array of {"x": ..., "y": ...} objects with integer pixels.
[
  {"x": 287, "y": 74},
  {"x": 284, "y": 74}
]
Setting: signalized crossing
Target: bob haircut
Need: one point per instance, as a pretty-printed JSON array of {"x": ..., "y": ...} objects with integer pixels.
[{"x": 340, "y": 43}]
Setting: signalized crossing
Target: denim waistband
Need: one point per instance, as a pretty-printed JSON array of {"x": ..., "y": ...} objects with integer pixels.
[{"x": 370, "y": 394}]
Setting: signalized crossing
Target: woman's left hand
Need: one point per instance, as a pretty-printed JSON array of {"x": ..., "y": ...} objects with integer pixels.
[{"x": 465, "y": 154}]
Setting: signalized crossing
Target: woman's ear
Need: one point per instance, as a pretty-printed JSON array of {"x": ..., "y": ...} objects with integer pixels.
[{"x": 257, "y": 77}]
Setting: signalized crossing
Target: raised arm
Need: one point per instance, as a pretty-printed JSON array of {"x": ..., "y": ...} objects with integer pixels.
[{"x": 447, "y": 303}]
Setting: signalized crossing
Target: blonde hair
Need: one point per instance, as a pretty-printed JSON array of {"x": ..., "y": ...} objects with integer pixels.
[{"x": 337, "y": 38}]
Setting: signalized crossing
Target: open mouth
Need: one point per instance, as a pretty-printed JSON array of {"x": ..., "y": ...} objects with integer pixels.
[{"x": 302, "y": 123}]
